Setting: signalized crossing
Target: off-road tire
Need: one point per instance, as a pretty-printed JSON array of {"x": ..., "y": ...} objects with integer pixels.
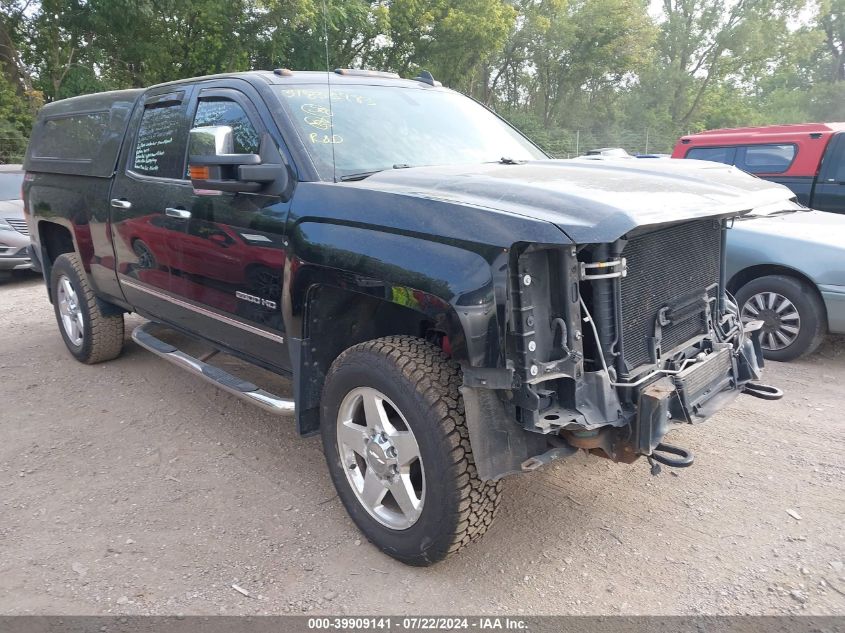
[
  {"x": 102, "y": 337},
  {"x": 423, "y": 383},
  {"x": 810, "y": 308}
]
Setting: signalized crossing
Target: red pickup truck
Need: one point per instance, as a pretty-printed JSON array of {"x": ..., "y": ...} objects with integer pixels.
[{"x": 809, "y": 158}]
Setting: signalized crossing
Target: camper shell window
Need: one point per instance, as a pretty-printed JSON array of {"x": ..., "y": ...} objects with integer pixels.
[
  {"x": 74, "y": 137},
  {"x": 81, "y": 136}
]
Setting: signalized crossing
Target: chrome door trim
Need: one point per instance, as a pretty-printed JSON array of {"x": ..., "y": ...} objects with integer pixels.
[{"x": 277, "y": 338}]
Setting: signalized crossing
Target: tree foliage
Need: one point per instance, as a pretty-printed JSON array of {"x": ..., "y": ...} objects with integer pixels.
[{"x": 553, "y": 66}]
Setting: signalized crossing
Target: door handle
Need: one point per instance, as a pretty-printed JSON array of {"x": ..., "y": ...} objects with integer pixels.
[
  {"x": 121, "y": 204},
  {"x": 182, "y": 214}
]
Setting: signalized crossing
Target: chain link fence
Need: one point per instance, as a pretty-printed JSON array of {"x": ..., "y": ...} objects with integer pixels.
[{"x": 562, "y": 143}]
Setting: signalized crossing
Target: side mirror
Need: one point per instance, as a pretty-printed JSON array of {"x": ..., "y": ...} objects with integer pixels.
[
  {"x": 211, "y": 141},
  {"x": 213, "y": 166}
]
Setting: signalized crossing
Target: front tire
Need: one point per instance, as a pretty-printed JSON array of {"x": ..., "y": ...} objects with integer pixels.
[
  {"x": 398, "y": 450},
  {"x": 793, "y": 315},
  {"x": 90, "y": 336}
]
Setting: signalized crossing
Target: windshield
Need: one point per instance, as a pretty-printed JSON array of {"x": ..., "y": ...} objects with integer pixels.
[
  {"x": 380, "y": 127},
  {"x": 10, "y": 186}
]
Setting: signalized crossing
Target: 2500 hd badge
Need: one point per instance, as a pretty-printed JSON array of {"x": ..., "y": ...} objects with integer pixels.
[{"x": 264, "y": 303}]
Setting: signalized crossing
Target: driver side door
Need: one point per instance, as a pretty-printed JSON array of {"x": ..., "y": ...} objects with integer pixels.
[{"x": 231, "y": 246}]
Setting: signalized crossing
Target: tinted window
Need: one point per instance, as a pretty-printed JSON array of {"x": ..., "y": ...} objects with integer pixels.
[
  {"x": 834, "y": 161},
  {"x": 160, "y": 147},
  {"x": 10, "y": 186},
  {"x": 226, "y": 112},
  {"x": 768, "y": 159},
  {"x": 75, "y": 137},
  {"x": 716, "y": 154}
]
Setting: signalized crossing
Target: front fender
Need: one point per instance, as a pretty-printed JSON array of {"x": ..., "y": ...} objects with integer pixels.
[
  {"x": 455, "y": 289},
  {"x": 438, "y": 263}
]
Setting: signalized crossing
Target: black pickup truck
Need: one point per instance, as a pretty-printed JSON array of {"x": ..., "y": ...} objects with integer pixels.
[{"x": 451, "y": 305}]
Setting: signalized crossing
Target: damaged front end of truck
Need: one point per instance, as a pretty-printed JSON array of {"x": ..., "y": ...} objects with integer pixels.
[{"x": 610, "y": 345}]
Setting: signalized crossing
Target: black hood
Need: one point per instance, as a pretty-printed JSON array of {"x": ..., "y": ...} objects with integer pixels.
[{"x": 592, "y": 201}]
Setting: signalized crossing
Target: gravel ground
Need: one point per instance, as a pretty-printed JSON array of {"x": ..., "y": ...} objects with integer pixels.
[{"x": 133, "y": 487}]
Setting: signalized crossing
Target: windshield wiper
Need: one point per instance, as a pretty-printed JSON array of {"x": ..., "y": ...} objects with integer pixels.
[{"x": 367, "y": 174}]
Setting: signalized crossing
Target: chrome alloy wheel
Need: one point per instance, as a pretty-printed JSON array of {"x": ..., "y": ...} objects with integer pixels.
[
  {"x": 381, "y": 458},
  {"x": 70, "y": 311},
  {"x": 781, "y": 321}
]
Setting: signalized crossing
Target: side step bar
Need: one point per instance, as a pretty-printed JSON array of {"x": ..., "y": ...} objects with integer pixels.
[{"x": 216, "y": 376}]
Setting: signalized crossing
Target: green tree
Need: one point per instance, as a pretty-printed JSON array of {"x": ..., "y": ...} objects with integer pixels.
[
  {"x": 707, "y": 44},
  {"x": 142, "y": 42},
  {"x": 453, "y": 39},
  {"x": 353, "y": 28},
  {"x": 12, "y": 24},
  {"x": 573, "y": 57},
  {"x": 832, "y": 23}
]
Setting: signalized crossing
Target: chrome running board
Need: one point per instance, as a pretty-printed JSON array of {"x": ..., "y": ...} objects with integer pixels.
[{"x": 227, "y": 382}]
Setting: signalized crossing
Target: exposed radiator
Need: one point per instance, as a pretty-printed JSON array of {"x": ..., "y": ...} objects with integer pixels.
[{"x": 663, "y": 267}]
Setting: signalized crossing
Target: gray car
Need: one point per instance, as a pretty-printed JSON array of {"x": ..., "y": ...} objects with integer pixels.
[
  {"x": 786, "y": 267},
  {"x": 14, "y": 235}
]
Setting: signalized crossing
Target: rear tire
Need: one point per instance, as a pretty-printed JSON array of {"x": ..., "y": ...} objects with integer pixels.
[
  {"x": 415, "y": 390},
  {"x": 90, "y": 336},
  {"x": 795, "y": 320}
]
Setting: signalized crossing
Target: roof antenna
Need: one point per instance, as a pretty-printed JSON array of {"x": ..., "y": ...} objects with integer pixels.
[{"x": 329, "y": 85}]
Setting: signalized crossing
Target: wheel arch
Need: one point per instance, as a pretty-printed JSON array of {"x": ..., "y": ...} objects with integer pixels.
[
  {"x": 750, "y": 273},
  {"x": 810, "y": 333},
  {"x": 54, "y": 239},
  {"x": 336, "y": 318}
]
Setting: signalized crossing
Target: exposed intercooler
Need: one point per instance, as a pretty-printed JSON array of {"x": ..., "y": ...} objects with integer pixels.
[{"x": 668, "y": 270}]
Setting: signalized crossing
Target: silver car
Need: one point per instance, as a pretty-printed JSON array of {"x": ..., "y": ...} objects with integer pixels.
[
  {"x": 14, "y": 235},
  {"x": 786, "y": 267}
]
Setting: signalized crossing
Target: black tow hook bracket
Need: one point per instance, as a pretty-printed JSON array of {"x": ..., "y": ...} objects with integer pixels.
[
  {"x": 684, "y": 457},
  {"x": 764, "y": 392}
]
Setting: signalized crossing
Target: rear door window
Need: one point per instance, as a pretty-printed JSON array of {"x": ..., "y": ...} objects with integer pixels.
[
  {"x": 767, "y": 159},
  {"x": 161, "y": 142},
  {"x": 716, "y": 154}
]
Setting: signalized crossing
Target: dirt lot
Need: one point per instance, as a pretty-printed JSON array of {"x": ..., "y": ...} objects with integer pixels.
[{"x": 133, "y": 487}]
